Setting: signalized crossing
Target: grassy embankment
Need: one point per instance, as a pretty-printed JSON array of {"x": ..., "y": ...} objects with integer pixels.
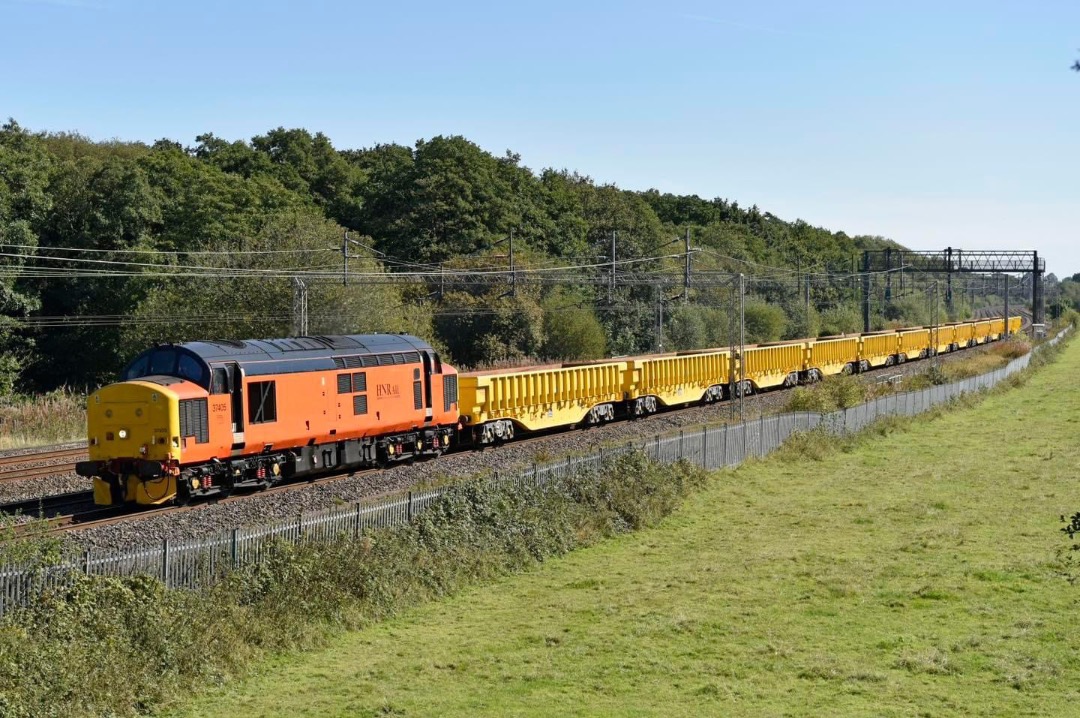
[
  {"x": 55, "y": 418},
  {"x": 912, "y": 572}
]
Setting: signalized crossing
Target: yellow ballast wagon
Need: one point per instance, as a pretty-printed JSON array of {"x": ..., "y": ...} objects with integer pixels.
[
  {"x": 770, "y": 365},
  {"x": 912, "y": 344},
  {"x": 826, "y": 357},
  {"x": 673, "y": 379},
  {"x": 540, "y": 397},
  {"x": 878, "y": 349}
]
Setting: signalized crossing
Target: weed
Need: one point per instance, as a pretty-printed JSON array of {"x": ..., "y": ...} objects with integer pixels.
[{"x": 53, "y": 418}]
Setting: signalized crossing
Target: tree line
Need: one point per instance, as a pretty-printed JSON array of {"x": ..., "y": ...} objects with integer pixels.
[{"x": 111, "y": 246}]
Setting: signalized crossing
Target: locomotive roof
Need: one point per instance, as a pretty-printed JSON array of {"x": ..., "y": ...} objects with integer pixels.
[
  {"x": 192, "y": 360},
  {"x": 294, "y": 348}
]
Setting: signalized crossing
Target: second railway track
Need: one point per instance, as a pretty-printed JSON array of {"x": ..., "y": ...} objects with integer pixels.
[{"x": 14, "y": 468}]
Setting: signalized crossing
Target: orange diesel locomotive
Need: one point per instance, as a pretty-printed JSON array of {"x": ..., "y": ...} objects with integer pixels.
[{"x": 204, "y": 418}]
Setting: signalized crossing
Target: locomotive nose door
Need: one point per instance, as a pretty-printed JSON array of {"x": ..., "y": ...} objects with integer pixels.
[
  {"x": 236, "y": 392},
  {"x": 427, "y": 385}
]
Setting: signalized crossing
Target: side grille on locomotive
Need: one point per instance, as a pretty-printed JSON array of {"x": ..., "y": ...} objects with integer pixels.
[
  {"x": 194, "y": 420},
  {"x": 344, "y": 383},
  {"x": 449, "y": 391},
  {"x": 359, "y": 404}
]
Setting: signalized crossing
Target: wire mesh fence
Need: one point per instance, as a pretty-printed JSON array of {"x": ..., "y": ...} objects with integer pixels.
[{"x": 198, "y": 563}]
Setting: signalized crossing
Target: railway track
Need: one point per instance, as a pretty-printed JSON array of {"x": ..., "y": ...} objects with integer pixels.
[
  {"x": 76, "y": 511},
  {"x": 12, "y": 469}
]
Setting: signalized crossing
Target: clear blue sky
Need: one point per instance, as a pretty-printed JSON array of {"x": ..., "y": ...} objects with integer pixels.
[{"x": 934, "y": 123}]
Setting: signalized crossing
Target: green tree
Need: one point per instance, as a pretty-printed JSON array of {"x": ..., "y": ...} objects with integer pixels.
[
  {"x": 841, "y": 319},
  {"x": 452, "y": 199},
  {"x": 490, "y": 329},
  {"x": 764, "y": 322},
  {"x": 24, "y": 204},
  {"x": 571, "y": 330},
  {"x": 259, "y": 302}
]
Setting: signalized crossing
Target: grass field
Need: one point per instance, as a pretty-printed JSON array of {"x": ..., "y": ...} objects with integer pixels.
[{"x": 911, "y": 574}]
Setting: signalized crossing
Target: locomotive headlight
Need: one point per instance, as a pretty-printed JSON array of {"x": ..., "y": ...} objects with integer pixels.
[{"x": 122, "y": 433}]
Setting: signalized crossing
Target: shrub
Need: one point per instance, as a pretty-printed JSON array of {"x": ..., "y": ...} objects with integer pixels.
[
  {"x": 836, "y": 392},
  {"x": 571, "y": 332},
  {"x": 841, "y": 319},
  {"x": 1016, "y": 346},
  {"x": 764, "y": 322}
]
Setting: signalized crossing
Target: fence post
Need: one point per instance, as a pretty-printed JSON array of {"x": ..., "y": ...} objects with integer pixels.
[
  {"x": 356, "y": 516},
  {"x": 704, "y": 447},
  {"x": 165, "y": 562},
  {"x": 682, "y": 447},
  {"x": 744, "y": 439},
  {"x": 409, "y": 508},
  {"x": 233, "y": 548},
  {"x": 86, "y": 562}
]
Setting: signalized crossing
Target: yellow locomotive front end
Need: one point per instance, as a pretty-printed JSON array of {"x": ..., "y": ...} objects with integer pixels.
[{"x": 133, "y": 436}]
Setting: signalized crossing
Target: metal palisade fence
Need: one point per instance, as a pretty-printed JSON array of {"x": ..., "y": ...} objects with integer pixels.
[{"x": 195, "y": 564}]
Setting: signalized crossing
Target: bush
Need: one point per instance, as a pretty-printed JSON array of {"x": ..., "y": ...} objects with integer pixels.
[
  {"x": 764, "y": 322},
  {"x": 842, "y": 319},
  {"x": 687, "y": 328},
  {"x": 1016, "y": 346},
  {"x": 571, "y": 332},
  {"x": 835, "y": 392}
]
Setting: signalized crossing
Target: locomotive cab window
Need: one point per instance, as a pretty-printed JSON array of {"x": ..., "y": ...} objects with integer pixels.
[
  {"x": 262, "y": 402},
  {"x": 163, "y": 361},
  {"x": 169, "y": 361},
  {"x": 220, "y": 382},
  {"x": 189, "y": 369},
  {"x": 137, "y": 369}
]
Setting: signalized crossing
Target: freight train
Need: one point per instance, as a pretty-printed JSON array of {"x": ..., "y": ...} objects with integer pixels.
[{"x": 204, "y": 418}]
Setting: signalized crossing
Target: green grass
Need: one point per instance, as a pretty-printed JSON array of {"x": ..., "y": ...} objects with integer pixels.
[{"x": 916, "y": 573}]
